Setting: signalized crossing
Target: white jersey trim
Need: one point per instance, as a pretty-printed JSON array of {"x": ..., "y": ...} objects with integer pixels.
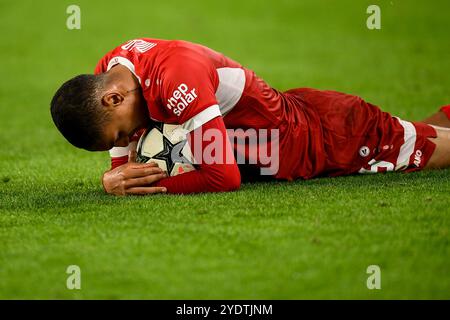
[
  {"x": 230, "y": 89},
  {"x": 201, "y": 118},
  {"x": 117, "y": 152},
  {"x": 125, "y": 62}
]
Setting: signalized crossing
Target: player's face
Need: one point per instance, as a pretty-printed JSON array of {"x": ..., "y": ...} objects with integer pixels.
[{"x": 124, "y": 120}]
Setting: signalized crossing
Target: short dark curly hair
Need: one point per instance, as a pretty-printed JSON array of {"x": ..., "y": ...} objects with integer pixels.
[{"x": 77, "y": 110}]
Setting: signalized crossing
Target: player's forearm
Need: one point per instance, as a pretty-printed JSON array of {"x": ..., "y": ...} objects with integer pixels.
[{"x": 212, "y": 178}]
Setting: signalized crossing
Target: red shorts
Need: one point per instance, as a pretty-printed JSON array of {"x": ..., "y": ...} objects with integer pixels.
[{"x": 353, "y": 136}]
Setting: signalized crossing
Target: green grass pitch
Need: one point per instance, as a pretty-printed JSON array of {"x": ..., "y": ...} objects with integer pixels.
[{"x": 306, "y": 239}]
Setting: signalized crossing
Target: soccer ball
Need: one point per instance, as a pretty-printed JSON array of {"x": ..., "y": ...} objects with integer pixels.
[{"x": 166, "y": 145}]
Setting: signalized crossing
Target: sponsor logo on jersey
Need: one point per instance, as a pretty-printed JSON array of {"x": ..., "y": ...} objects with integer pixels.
[
  {"x": 418, "y": 158},
  {"x": 139, "y": 45},
  {"x": 181, "y": 98},
  {"x": 364, "y": 151}
]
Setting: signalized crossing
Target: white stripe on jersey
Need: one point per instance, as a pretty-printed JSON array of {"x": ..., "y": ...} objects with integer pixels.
[
  {"x": 231, "y": 86},
  {"x": 117, "y": 152},
  {"x": 201, "y": 118},
  {"x": 125, "y": 62},
  {"x": 407, "y": 148}
]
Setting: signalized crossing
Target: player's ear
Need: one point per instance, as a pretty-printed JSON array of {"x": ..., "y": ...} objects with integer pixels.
[{"x": 112, "y": 99}]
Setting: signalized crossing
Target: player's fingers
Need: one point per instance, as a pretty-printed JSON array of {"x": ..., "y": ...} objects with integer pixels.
[
  {"x": 141, "y": 172},
  {"x": 144, "y": 181},
  {"x": 132, "y": 156},
  {"x": 132, "y": 153},
  {"x": 146, "y": 190}
]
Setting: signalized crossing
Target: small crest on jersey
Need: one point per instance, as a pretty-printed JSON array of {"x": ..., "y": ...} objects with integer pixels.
[
  {"x": 139, "y": 45},
  {"x": 364, "y": 151}
]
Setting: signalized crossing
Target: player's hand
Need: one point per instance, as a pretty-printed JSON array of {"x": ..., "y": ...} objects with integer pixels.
[{"x": 133, "y": 178}]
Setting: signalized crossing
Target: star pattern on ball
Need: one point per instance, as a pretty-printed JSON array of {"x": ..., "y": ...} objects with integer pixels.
[
  {"x": 140, "y": 157},
  {"x": 158, "y": 125},
  {"x": 171, "y": 153}
]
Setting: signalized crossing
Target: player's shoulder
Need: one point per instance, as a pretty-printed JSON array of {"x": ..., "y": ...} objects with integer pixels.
[
  {"x": 171, "y": 53},
  {"x": 131, "y": 50},
  {"x": 185, "y": 57}
]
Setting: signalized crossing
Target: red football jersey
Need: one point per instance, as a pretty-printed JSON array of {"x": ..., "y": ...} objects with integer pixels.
[{"x": 190, "y": 84}]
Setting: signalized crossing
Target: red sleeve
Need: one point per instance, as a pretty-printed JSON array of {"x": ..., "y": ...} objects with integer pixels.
[
  {"x": 118, "y": 161},
  {"x": 446, "y": 110},
  {"x": 188, "y": 85},
  {"x": 220, "y": 175}
]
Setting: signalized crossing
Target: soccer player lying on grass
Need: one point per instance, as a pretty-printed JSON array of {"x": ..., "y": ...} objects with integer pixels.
[{"x": 321, "y": 133}]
